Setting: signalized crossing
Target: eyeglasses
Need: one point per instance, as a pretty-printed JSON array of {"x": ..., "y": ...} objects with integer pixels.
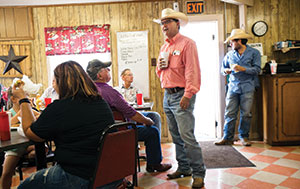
[{"x": 166, "y": 22}]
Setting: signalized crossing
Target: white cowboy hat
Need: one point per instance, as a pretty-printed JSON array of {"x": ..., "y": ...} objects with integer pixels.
[
  {"x": 170, "y": 13},
  {"x": 238, "y": 34}
]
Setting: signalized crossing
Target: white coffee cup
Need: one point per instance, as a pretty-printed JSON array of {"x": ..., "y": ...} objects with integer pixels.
[{"x": 165, "y": 59}]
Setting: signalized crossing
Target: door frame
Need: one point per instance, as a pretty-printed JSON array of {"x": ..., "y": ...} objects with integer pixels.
[{"x": 220, "y": 104}]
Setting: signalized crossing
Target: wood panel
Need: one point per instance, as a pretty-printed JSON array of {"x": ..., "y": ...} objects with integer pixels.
[
  {"x": 16, "y": 24},
  {"x": 282, "y": 17},
  {"x": 20, "y": 49}
]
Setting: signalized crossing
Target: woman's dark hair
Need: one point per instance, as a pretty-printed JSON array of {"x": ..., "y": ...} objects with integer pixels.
[{"x": 73, "y": 81}]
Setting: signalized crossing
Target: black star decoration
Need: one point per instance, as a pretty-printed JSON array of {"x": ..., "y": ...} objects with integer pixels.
[{"x": 12, "y": 61}]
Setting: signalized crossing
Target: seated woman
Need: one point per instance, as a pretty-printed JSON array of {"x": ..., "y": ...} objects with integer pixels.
[
  {"x": 74, "y": 122},
  {"x": 12, "y": 157}
]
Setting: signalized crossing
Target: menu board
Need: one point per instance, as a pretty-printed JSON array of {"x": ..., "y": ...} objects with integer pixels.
[{"x": 133, "y": 53}]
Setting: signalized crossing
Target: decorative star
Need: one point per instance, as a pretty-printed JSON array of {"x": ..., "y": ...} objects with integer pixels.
[{"x": 12, "y": 61}]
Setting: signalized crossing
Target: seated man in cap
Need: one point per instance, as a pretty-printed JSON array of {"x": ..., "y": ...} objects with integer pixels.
[
  {"x": 100, "y": 74},
  {"x": 129, "y": 91}
]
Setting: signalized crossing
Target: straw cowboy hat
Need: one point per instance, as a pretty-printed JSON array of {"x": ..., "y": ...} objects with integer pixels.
[
  {"x": 238, "y": 34},
  {"x": 170, "y": 13}
]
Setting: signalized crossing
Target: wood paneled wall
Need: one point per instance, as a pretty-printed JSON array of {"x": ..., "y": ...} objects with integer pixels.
[
  {"x": 16, "y": 23},
  {"x": 282, "y": 17}
]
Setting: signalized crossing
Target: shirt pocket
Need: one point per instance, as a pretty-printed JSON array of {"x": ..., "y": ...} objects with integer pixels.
[
  {"x": 176, "y": 61},
  {"x": 247, "y": 61}
]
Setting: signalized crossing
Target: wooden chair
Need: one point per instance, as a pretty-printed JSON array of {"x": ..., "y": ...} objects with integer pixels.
[{"x": 117, "y": 155}]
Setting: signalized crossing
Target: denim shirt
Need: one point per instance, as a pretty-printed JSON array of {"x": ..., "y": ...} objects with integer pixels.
[{"x": 243, "y": 82}]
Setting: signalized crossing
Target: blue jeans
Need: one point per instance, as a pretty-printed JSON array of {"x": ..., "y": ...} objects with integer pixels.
[
  {"x": 234, "y": 101},
  {"x": 155, "y": 118},
  {"x": 56, "y": 178},
  {"x": 151, "y": 136},
  {"x": 181, "y": 125}
]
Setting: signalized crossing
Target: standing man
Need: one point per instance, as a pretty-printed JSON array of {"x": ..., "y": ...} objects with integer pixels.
[
  {"x": 242, "y": 64},
  {"x": 180, "y": 77}
]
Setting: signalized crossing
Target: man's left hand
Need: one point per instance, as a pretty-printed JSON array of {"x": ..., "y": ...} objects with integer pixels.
[{"x": 184, "y": 102}]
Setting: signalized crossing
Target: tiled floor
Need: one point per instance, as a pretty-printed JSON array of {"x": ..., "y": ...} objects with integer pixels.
[{"x": 276, "y": 167}]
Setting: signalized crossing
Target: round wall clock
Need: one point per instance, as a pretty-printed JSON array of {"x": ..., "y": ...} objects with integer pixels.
[{"x": 259, "y": 28}]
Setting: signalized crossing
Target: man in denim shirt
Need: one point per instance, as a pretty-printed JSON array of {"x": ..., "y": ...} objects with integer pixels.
[{"x": 242, "y": 64}]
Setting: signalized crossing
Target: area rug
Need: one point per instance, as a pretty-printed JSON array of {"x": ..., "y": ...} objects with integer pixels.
[{"x": 222, "y": 156}]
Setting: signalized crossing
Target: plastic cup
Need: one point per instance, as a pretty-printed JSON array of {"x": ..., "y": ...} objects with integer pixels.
[
  {"x": 165, "y": 57},
  {"x": 273, "y": 68},
  {"x": 139, "y": 98},
  {"x": 47, "y": 101},
  {"x": 4, "y": 126}
]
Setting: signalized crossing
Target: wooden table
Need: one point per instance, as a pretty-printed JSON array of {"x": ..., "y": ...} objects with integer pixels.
[
  {"x": 16, "y": 140},
  {"x": 145, "y": 106}
]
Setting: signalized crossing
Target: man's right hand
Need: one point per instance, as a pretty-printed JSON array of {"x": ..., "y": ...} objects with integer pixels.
[
  {"x": 139, "y": 118},
  {"x": 162, "y": 64}
]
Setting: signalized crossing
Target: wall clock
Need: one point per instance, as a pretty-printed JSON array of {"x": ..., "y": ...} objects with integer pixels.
[{"x": 259, "y": 28}]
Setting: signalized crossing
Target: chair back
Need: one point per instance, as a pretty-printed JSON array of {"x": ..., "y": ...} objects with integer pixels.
[
  {"x": 118, "y": 116},
  {"x": 117, "y": 155}
]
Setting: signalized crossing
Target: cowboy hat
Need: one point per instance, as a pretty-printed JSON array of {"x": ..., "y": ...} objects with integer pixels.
[
  {"x": 170, "y": 13},
  {"x": 238, "y": 34}
]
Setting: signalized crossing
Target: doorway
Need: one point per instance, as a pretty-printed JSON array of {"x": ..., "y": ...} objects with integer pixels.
[{"x": 207, "y": 32}]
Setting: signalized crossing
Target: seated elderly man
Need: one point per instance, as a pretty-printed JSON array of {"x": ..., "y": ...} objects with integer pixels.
[
  {"x": 100, "y": 74},
  {"x": 129, "y": 91}
]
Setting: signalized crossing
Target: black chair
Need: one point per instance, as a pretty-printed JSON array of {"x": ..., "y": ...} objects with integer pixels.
[
  {"x": 31, "y": 162},
  {"x": 117, "y": 155}
]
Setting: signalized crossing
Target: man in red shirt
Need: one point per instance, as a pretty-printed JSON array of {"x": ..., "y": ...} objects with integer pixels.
[{"x": 180, "y": 77}]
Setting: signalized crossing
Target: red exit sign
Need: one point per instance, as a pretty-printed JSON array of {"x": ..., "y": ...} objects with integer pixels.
[{"x": 195, "y": 7}]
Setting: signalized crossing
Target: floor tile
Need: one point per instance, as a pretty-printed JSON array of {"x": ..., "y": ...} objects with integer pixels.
[
  {"x": 296, "y": 175},
  {"x": 281, "y": 170},
  {"x": 259, "y": 165},
  {"x": 274, "y": 153},
  {"x": 292, "y": 183},
  {"x": 244, "y": 172},
  {"x": 252, "y": 150},
  {"x": 283, "y": 148},
  {"x": 252, "y": 183},
  {"x": 297, "y": 151},
  {"x": 262, "y": 158},
  {"x": 148, "y": 181},
  {"x": 269, "y": 177},
  {"x": 248, "y": 154},
  {"x": 292, "y": 156},
  {"x": 288, "y": 163},
  {"x": 230, "y": 179}
]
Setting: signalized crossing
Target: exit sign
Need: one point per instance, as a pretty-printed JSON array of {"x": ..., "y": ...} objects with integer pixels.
[{"x": 195, "y": 7}]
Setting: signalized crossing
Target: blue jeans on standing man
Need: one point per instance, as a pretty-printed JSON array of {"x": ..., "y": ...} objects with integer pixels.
[
  {"x": 181, "y": 125},
  {"x": 234, "y": 101}
]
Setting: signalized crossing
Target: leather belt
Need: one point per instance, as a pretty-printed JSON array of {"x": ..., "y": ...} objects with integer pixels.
[{"x": 174, "y": 90}]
